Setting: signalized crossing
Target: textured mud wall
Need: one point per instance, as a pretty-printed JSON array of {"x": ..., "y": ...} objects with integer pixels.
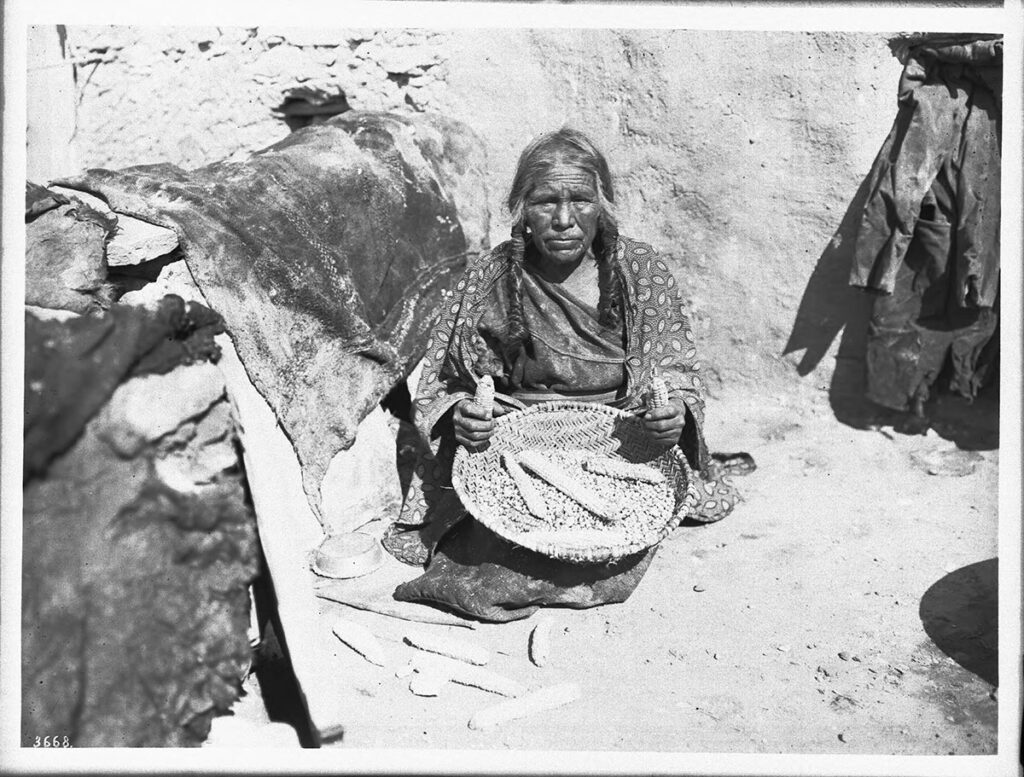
[{"x": 737, "y": 154}]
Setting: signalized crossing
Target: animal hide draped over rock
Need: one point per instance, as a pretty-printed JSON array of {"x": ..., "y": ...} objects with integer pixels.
[
  {"x": 135, "y": 603},
  {"x": 326, "y": 253}
]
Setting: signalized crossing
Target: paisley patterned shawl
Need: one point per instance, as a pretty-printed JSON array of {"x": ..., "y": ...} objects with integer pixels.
[{"x": 658, "y": 341}]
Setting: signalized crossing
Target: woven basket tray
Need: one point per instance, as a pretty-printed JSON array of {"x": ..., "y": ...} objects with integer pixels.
[{"x": 568, "y": 434}]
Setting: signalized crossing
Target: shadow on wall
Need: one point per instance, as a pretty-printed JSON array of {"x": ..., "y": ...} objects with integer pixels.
[
  {"x": 960, "y": 615},
  {"x": 830, "y": 306}
]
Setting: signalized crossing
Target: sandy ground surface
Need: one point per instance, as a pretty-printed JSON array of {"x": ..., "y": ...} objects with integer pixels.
[{"x": 847, "y": 606}]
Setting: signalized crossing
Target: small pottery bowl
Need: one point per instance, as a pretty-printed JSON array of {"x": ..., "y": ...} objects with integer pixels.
[{"x": 347, "y": 555}]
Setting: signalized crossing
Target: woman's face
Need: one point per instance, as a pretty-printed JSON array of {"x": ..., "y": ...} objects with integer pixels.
[{"x": 562, "y": 213}]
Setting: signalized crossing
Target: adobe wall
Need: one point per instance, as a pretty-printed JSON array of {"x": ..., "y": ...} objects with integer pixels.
[{"x": 736, "y": 154}]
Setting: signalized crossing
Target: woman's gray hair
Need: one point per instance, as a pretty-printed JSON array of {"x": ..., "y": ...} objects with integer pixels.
[{"x": 564, "y": 146}]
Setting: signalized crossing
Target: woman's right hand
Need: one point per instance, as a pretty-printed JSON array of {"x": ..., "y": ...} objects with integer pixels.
[{"x": 473, "y": 425}]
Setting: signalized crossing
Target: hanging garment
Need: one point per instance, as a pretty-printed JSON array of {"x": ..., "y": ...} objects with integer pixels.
[{"x": 928, "y": 240}]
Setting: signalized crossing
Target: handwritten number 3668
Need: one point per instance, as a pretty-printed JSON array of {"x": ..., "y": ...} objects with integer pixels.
[{"x": 52, "y": 742}]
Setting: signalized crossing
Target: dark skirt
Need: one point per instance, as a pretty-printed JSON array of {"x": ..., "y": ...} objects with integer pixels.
[{"x": 477, "y": 573}]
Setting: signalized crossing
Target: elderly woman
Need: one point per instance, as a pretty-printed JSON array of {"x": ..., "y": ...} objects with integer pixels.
[{"x": 566, "y": 309}]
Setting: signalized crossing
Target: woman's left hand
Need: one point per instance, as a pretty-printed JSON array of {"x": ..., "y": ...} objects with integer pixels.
[{"x": 664, "y": 424}]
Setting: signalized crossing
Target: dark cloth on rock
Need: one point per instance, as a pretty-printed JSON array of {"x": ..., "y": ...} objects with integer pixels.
[
  {"x": 326, "y": 253},
  {"x": 135, "y": 603},
  {"x": 928, "y": 239},
  {"x": 573, "y": 357},
  {"x": 72, "y": 367},
  {"x": 39, "y": 200},
  {"x": 65, "y": 252}
]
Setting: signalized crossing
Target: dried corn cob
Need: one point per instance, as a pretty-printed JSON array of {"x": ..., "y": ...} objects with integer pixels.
[
  {"x": 548, "y": 698},
  {"x": 486, "y": 680},
  {"x": 485, "y": 394},
  {"x": 659, "y": 392},
  {"x": 466, "y": 674},
  {"x": 534, "y": 501},
  {"x": 361, "y": 640},
  {"x": 568, "y": 485},
  {"x": 624, "y": 470},
  {"x": 448, "y": 646},
  {"x": 431, "y": 684}
]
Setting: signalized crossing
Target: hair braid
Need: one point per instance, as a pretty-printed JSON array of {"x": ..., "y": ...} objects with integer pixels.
[
  {"x": 518, "y": 336},
  {"x": 571, "y": 147},
  {"x": 609, "y": 302}
]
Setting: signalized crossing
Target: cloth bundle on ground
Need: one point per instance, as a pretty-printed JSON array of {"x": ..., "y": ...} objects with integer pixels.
[
  {"x": 326, "y": 254},
  {"x": 928, "y": 239},
  {"x": 471, "y": 569}
]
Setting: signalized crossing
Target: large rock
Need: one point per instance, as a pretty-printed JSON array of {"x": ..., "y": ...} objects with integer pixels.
[
  {"x": 327, "y": 255},
  {"x": 170, "y": 278},
  {"x": 134, "y": 585}
]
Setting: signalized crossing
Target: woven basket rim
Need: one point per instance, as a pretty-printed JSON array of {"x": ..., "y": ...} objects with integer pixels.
[
  {"x": 560, "y": 405},
  {"x": 592, "y": 553}
]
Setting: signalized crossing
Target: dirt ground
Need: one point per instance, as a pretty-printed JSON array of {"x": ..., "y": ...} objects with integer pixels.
[{"x": 847, "y": 606}]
